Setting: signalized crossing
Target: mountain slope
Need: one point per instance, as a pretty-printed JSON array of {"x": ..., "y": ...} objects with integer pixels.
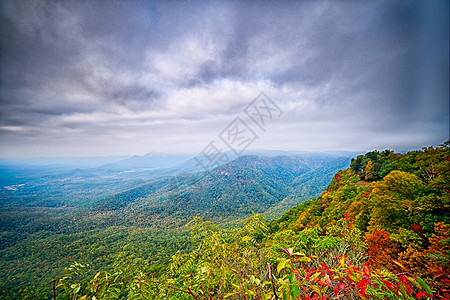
[{"x": 252, "y": 183}]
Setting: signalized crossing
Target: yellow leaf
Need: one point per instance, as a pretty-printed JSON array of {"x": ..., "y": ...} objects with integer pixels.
[
  {"x": 282, "y": 265},
  {"x": 314, "y": 276},
  {"x": 399, "y": 264},
  {"x": 342, "y": 261},
  {"x": 245, "y": 238}
]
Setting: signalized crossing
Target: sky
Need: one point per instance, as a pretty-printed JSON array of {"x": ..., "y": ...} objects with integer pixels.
[{"x": 97, "y": 78}]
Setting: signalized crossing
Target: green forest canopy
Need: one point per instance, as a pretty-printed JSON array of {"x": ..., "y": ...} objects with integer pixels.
[{"x": 379, "y": 231}]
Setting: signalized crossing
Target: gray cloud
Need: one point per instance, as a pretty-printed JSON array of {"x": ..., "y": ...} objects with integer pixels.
[{"x": 129, "y": 77}]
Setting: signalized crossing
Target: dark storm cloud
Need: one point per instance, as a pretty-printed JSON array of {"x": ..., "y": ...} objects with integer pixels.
[{"x": 76, "y": 69}]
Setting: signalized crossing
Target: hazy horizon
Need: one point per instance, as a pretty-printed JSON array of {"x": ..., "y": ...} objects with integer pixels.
[{"x": 249, "y": 151}]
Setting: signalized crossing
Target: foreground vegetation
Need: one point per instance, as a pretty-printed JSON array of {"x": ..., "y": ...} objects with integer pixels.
[{"x": 379, "y": 231}]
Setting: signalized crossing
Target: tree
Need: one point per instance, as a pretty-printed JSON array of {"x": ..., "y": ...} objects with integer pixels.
[
  {"x": 369, "y": 171},
  {"x": 381, "y": 249},
  {"x": 396, "y": 200}
]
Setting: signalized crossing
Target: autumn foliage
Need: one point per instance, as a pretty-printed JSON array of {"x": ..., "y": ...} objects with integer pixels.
[{"x": 381, "y": 249}]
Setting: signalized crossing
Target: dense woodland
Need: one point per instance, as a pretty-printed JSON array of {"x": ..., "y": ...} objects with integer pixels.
[
  {"x": 51, "y": 217},
  {"x": 380, "y": 230}
]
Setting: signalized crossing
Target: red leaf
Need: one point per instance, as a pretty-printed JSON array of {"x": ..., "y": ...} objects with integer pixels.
[
  {"x": 309, "y": 274},
  {"x": 405, "y": 282},
  {"x": 366, "y": 271},
  {"x": 286, "y": 250},
  {"x": 418, "y": 295},
  {"x": 322, "y": 283},
  {"x": 363, "y": 285},
  {"x": 388, "y": 284},
  {"x": 339, "y": 288}
]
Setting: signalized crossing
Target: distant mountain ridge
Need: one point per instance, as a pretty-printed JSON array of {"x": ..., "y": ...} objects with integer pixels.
[
  {"x": 250, "y": 183},
  {"x": 60, "y": 185}
]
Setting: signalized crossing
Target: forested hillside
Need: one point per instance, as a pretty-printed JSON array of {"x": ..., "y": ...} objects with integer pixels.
[
  {"x": 379, "y": 231},
  {"x": 245, "y": 185},
  {"x": 51, "y": 217}
]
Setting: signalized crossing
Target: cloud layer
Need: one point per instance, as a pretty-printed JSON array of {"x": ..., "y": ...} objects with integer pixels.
[{"x": 125, "y": 77}]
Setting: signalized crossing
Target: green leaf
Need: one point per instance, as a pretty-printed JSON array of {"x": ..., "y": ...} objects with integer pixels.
[
  {"x": 75, "y": 287},
  {"x": 263, "y": 295},
  {"x": 295, "y": 291},
  {"x": 413, "y": 281},
  {"x": 291, "y": 278},
  {"x": 425, "y": 285}
]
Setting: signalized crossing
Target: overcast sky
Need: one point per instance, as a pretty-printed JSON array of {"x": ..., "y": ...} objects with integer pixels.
[{"x": 82, "y": 78}]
